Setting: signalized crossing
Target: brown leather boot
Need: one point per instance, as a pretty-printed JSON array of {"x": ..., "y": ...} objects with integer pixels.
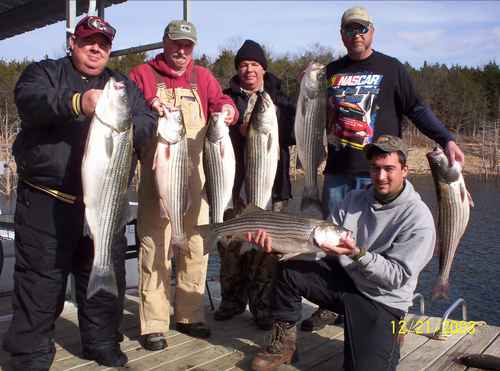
[{"x": 281, "y": 350}]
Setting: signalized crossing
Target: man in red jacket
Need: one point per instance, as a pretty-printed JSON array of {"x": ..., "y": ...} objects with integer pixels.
[{"x": 171, "y": 81}]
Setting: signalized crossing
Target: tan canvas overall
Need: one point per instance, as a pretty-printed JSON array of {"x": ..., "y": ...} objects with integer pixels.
[{"x": 154, "y": 232}]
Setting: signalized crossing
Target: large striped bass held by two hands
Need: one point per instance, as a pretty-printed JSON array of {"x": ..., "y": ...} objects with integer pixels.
[
  {"x": 454, "y": 204},
  {"x": 105, "y": 173},
  {"x": 310, "y": 132},
  {"x": 171, "y": 166},
  {"x": 219, "y": 165},
  {"x": 292, "y": 236}
]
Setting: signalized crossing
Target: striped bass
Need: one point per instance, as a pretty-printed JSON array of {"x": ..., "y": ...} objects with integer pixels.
[
  {"x": 171, "y": 167},
  {"x": 310, "y": 124},
  {"x": 292, "y": 236},
  {"x": 219, "y": 165},
  {"x": 262, "y": 152},
  {"x": 105, "y": 172},
  {"x": 454, "y": 204}
]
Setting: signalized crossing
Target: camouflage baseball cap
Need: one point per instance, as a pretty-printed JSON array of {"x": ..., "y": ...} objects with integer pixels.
[
  {"x": 181, "y": 30},
  {"x": 387, "y": 143}
]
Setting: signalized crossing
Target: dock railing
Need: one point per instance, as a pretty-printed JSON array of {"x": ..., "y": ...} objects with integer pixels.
[{"x": 441, "y": 334}]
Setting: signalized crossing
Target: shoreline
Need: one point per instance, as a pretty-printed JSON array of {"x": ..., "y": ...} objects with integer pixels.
[{"x": 418, "y": 164}]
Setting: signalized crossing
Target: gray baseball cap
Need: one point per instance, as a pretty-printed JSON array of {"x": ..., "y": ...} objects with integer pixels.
[
  {"x": 387, "y": 143},
  {"x": 181, "y": 30}
]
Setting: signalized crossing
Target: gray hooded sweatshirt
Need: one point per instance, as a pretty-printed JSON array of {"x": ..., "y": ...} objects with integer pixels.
[{"x": 399, "y": 238}]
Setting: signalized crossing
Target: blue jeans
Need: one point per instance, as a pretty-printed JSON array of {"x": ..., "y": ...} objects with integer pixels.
[{"x": 336, "y": 188}]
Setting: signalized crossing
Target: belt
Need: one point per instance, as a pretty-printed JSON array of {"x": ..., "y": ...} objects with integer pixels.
[{"x": 61, "y": 196}]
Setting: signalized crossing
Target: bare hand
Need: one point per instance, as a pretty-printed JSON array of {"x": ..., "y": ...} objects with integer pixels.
[
  {"x": 454, "y": 153},
  {"x": 89, "y": 101},
  {"x": 261, "y": 239},
  {"x": 158, "y": 106},
  {"x": 244, "y": 129},
  {"x": 229, "y": 110},
  {"x": 347, "y": 246}
]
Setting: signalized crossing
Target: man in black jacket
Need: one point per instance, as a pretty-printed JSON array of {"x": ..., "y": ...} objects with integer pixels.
[
  {"x": 56, "y": 100},
  {"x": 248, "y": 278}
]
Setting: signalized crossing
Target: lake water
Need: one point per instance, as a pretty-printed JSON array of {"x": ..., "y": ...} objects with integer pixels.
[{"x": 476, "y": 268}]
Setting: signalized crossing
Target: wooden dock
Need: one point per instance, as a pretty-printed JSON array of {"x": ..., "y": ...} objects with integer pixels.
[{"x": 233, "y": 344}]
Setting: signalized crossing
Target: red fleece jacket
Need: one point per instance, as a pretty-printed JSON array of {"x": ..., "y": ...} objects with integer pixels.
[{"x": 209, "y": 90}]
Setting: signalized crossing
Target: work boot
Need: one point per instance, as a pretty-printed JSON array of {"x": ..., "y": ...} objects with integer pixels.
[
  {"x": 197, "y": 329},
  {"x": 319, "y": 319},
  {"x": 106, "y": 355},
  {"x": 154, "y": 341},
  {"x": 37, "y": 361},
  {"x": 226, "y": 312},
  {"x": 281, "y": 350}
]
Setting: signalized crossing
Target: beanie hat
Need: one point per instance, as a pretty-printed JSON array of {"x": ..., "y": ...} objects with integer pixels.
[{"x": 250, "y": 51}]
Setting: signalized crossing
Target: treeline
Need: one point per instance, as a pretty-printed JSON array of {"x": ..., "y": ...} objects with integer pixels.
[{"x": 466, "y": 99}]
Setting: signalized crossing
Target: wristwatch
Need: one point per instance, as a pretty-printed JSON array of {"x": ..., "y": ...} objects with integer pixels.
[{"x": 359, "y": 255}]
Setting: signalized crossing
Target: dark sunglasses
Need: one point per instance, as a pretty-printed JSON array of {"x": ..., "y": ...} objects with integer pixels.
[
  {"x": 97, "y": 23},
  {"x": 355, "y": 29}
]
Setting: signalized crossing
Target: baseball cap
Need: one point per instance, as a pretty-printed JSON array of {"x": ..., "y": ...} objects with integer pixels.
[
  {"x": 181, "y": 30},
  {"x": 356, "y": 14},
  {"x": 91, "y": 25},
  {"x": 387, "y": 143}
]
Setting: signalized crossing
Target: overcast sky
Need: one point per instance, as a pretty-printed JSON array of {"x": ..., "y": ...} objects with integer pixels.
[{"x": 449, "y": 32}]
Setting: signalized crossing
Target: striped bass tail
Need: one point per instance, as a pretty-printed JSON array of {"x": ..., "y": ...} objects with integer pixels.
[
  {"x": 440, "y": 290},
  {"x": 102, "y": 279},
  {"x": 310, "y": 198},
  {"x": 209, "y": 235}
]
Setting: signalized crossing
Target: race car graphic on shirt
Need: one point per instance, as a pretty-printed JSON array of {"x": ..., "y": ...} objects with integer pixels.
[{"x": 352, "y": 112}]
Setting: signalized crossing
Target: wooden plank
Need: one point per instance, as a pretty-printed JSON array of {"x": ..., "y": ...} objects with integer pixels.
[
  {"x": 326, "y": 356},
  {"x": 412, "y": 341},
  {"x": 135, "y": 353},
  {"x": 430, "y": 351},
  {"x": 493, "y": 349},
  {"x": 140, "y": 359},
  {"x": 476, "y": 343},
  {"x": 318, "y": 347}
]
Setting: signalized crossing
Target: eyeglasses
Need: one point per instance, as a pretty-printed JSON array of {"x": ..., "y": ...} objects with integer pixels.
[
  {"x": 352, "y": 30},
  {"x": 97, "y": 23}
]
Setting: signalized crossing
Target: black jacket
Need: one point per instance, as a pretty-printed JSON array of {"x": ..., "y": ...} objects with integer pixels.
[
  {"x": 282, "y": 189},
  {"x": 49, "y": 148}
]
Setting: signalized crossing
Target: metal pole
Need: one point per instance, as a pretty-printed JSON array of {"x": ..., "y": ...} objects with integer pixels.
[
  {"x": 186, "y": 10},
  {"x": 70, "y": 20},
  {"x": 100, "y": 8}
]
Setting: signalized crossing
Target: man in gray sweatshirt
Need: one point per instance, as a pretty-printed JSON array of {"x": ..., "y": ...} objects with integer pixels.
[{"x": 370, "y": 277}]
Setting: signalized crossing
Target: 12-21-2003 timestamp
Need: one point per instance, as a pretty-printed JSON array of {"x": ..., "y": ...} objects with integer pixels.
[{"x": 420, "y": 327}]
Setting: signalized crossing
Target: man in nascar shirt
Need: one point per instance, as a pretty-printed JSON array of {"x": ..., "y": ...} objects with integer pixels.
[{"x": 368, "y": 94}]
